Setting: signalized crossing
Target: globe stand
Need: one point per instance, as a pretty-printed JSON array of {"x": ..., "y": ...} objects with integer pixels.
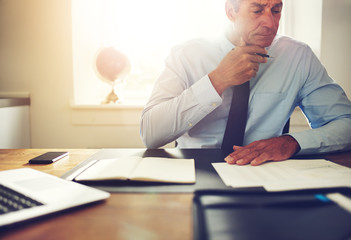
[{"x": 111, "y": 98}]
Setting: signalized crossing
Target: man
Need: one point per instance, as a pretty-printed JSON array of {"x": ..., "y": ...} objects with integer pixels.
[{"x": 191, "y": 99}]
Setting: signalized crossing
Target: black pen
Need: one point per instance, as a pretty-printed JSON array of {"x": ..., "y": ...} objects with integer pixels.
[{"x": 264, "y": 55}]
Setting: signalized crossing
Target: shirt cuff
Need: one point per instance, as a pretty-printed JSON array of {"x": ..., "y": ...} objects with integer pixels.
[
  {"x": 206, "y": 94},
  {"x": 306, "y": 145}
]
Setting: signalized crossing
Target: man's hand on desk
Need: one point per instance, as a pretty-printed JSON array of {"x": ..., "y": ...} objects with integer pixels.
[{"x": 258, "y": 152}]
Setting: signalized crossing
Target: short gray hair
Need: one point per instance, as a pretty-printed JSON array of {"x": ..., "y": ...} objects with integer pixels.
[{"x": 236, "y": 4}]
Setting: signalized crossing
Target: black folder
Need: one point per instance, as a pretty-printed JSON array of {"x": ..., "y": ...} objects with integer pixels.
[{"x": 295, "y": 215}]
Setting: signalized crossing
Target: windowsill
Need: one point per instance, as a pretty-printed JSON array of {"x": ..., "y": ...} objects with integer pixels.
[
  {"x": 127, "y": 106},
  {"x": 128, "y": 114},
  {"x": 123, "y": 114}
]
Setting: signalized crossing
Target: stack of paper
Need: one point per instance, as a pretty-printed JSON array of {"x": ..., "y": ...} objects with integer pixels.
[{"x": 286, "y": 175}]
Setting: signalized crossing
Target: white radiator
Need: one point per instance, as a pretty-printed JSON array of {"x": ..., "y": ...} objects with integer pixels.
[{"x": 14, "y": 123}]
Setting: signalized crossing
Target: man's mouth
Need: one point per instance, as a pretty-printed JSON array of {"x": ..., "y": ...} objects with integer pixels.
[{"x": 266, "y": 32}]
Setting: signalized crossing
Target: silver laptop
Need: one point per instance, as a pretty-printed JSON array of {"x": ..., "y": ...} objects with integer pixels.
[{"x": 27, "y": 193}]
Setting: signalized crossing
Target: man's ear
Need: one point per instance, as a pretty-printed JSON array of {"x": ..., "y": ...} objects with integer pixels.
[{"x": 230, "y": 11}]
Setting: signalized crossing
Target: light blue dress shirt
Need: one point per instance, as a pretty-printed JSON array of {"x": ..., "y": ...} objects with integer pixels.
[{"x": 184, "y": 106}]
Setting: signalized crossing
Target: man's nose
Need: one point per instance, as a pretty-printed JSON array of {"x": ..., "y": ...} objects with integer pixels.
[{"x": 268, "y": 19}]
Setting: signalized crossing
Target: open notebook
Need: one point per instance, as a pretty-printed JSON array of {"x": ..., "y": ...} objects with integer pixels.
[
  {"x": 150, "y": 169},
  {"x": 26, "y": 193}
]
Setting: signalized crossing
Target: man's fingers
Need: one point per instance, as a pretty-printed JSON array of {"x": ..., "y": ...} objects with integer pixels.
[
  {"x": 258, "y": 152},
  {"x": 232, "y": 158},
  {"x": 253, "y": 49},
  {"x": 249, "y": 54},
  {"x": 235, "y": 147},
  {"x": 241, "y": 155},
  {"x": 262, "y": 158},
  {"x": 254, "y": 158},
  {"x": 258, "y": 59},
  {"x": 246, "y": 157}
]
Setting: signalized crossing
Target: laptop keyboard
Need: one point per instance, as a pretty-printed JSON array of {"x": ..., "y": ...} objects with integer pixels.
[{"x": 11, "y": 200}]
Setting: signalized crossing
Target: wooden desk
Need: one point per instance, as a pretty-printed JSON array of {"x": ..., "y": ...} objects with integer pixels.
[{"x": 122, "y": 216}]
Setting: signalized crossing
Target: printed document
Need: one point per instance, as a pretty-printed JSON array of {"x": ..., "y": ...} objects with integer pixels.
[{"x": 286, "y": 175}]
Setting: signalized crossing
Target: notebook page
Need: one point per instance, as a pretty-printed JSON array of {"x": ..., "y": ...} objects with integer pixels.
[
  {"x": 165, "y": 170},
  {"x": 108, "y": 169}
]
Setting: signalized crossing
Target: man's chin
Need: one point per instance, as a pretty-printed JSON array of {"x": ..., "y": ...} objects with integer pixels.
[{"x": 263, "y": 41}]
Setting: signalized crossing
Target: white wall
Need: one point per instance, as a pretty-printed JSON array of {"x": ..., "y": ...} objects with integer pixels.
[
  {"x": 302, "y": 20},
  {"x": 336, "y": 41},
  {"x": 36, "y": 57},
  {"x": 14, "y": 127}
]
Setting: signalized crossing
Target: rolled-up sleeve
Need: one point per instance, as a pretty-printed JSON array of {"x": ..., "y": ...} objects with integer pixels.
[{"x": 176, "y": 105}]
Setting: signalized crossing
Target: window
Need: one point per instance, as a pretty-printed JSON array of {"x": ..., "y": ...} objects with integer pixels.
[
  {"x": 302, "y": 20},
  {"x": 142, "y": 30},
  {"x": 145, "y": 31}
]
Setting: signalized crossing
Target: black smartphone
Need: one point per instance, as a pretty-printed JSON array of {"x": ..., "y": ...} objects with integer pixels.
[{"x": 48, "y": 157}]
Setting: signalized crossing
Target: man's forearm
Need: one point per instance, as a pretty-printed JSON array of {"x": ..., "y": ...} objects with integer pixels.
[
  {"x": 334, "y": 136},
  {"x": 164, "y": 120},
  {"x": 159, "y": 125}
]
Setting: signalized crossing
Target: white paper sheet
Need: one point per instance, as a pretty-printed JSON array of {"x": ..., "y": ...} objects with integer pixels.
[{"x": 286, "y": 175}]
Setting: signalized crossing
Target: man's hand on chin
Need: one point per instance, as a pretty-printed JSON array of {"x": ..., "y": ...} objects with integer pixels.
[{"x": 258, "y": 152}]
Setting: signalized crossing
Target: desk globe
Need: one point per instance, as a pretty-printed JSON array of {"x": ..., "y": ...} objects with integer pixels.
[{"x": 111, "y": 66}]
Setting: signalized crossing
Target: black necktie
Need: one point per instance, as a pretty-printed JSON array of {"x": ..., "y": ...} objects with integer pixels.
[{"x": 235, "y": 129}]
